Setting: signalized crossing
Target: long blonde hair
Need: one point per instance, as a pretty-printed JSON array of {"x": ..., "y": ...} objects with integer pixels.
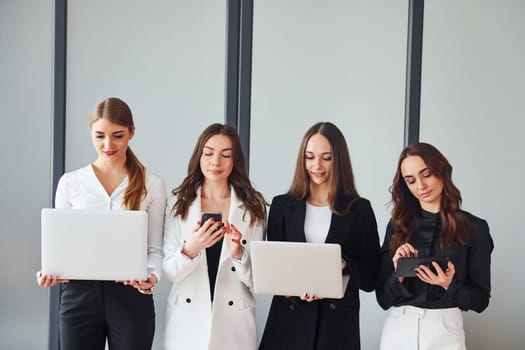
[{"x": 117, "y": 111}]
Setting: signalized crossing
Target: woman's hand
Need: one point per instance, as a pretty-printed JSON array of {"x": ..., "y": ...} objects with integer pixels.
[
  {"x": 144, "y": 287},
  {"x": 202, "y": 237},
  {"x": 440, "y": 278},
  {"x": 404, "y": 251},
  {"x": 48, "y": 280},
  {"x": 309, "y": 297},
  {"x": 233, "y": 240}
]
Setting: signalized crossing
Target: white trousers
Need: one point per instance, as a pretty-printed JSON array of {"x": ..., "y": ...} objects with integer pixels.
[{"x": 414, "y": 328}]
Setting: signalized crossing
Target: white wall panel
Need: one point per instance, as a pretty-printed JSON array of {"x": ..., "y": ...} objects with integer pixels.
[
  {"x": 472, "y": 109},
  {"x": 26, "y": 43},
  {"x": 338, "y": 61},
  {"x": 166, "y": 59}
]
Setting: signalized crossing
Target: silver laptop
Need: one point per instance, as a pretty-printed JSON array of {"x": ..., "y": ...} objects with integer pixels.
[
  {"x": 94, "y": 244},
  {"x": 294, "y": 268}
]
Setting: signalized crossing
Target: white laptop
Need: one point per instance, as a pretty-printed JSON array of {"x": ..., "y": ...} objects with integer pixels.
[
  {"x": 94, "y": 244},
  {"x": 295, "y": 268}
]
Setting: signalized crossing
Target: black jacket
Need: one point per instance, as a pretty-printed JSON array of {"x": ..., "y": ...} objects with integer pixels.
[
  {"x": 470, "y": 287},
  {"x": 328, "y": 323}
]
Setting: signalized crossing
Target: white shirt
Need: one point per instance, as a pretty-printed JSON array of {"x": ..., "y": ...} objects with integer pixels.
[
  {"x": 81, "y": 189},
  {"x": 317, "y": 223}
]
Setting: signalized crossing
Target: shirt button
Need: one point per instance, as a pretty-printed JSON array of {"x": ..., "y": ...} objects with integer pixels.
[
  {"x": 233, "y": 268},
  {"x": 332, "y": 306},
  {"x": 292, "y": 307},
  {"x": 243, "y": 242},
  {"x": 188, "y": 300},
  {"x": 230, "y": 303}
]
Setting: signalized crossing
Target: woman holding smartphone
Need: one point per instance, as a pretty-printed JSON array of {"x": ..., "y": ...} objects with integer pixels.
[
  {"x": 426, "y": 310},
  {"x": 323, "y": 206},
  {"x": 122, "y": 313},
  {"x": 210, "y": 305}
]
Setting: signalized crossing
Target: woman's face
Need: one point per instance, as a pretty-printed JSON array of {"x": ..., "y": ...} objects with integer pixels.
[
  {"x": 110, "y": 140},
  {"x": 423, "y": 185},
  {"x": 318, "y": 160},
  {"x": 217, "y": 158}
]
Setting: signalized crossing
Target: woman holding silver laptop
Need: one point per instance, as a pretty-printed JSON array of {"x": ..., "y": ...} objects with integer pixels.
[
  {"x": 210, "y": 221},
  {"x": 122, "y": 313},
  {"x": 323, "y": 205},
  {"x": 425, "y": 305}
]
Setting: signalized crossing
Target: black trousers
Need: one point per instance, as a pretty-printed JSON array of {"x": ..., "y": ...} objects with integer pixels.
[{"x": 91, "y": 311}]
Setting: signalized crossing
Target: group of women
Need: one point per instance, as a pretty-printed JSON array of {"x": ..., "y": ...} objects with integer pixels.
[{"x": 211, "y": 305}]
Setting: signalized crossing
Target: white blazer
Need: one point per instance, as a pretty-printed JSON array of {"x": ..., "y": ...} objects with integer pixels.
[{"x": 192, "y": 322}]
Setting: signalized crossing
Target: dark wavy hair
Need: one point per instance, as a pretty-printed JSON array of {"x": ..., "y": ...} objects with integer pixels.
[
  {"x": 343, "y": 191},
  {"x": 406, "y": 207},
  {"x": 117, "y": 111},
  {"x": 187, "y": 192}
]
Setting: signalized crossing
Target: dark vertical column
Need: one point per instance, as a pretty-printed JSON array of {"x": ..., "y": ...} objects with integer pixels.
[
  {"x": 232, "y": 62},
  {"x": 413, "y": 73},
  {"x": 58, "y": 143},
  {"x": 239, "y": 69},
  {"x": 245, "y": 76}
]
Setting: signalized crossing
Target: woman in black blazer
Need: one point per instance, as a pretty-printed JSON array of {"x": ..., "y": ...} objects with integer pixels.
[
  {"x": 426, "y": 310},
  {"x": 323, "y": 205}
]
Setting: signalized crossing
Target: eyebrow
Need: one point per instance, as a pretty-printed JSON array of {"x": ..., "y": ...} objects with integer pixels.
[
  {"x": 321, "y": 153},
  {"x": 224, "y": 149},
  {"x": 419, "y": 172},
  {"x": 114, "y": 132}
]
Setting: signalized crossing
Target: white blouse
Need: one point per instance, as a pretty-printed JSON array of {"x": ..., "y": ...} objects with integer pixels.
[
  {"x": 81, "y": 189},
  {"x": 317, "y": 223}
]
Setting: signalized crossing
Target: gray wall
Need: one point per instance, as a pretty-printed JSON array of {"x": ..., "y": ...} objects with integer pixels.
[
  {"x": 343, "y": 61},
  {"x": 473, "y": 108},
  {"x": 167, "y": 61},
  {"x": 25, "y": 103}
]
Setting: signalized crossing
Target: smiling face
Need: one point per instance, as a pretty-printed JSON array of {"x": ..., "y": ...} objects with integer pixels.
[
  {"x": 110, "y": 140},
  {"x": 423, "y": 185},
  {"x": 216, "y": 160},
  {"x": 318, "y": 160}
]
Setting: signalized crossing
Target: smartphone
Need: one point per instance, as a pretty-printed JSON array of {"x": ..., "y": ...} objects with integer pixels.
[
  {"x": 406, "y": 267},
  {"x": 217, "y": 216}
]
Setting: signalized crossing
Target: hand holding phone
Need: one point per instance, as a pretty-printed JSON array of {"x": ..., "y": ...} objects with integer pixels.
[
  {"x": 201, "y": 238},
  {"x": 205, "y": 216}
]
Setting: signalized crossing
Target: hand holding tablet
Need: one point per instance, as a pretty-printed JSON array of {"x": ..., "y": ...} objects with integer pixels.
[{"x": 406, "y": 267}]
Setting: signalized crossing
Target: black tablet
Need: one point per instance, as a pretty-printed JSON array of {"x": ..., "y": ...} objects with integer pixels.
[{"x": 406, "y": 267}]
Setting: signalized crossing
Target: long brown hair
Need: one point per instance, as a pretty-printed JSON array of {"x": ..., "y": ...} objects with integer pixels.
[
  {"x": 187, "y": 192},
  {"x": 343, "y": 191},
  {"x": 117, "y": 111},
  {"x": 406, "y": 207}
]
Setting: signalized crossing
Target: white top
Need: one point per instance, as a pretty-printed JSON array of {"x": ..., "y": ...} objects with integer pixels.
[
  {"x": 317, "y": 223},
  {"x": 81, "y": 189}
]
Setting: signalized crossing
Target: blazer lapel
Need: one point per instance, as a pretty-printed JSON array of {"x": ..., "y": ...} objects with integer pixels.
[
  {"x": 235, "y": 217},
  {"x": 295, "y": 211},
  {"x": 336, "y": 229}
]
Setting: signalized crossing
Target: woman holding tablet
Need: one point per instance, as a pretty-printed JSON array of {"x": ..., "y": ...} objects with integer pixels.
[
  {"x": 121, "y": 312},
  {"x": 323, "y": 205},
  {"x": 210, "y": 221},
  {"x": 426, "y": 310}
]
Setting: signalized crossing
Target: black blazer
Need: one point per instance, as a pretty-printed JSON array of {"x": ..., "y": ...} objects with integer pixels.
[
  {"x": 470, "y": 287},
  {"x": 328, "y": 323}
]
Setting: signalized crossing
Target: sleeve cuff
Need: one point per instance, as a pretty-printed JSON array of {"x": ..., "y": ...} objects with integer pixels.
[
  {"x": 398, "y": 289},
  {"x": 187, "y": 258},
  {"x": 243, "y": 259}
]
